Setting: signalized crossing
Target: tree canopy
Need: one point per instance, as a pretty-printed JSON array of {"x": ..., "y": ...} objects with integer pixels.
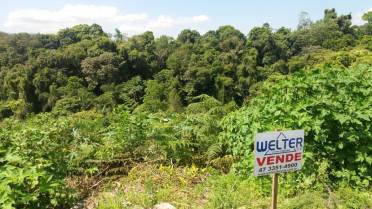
[{"x": 225, "y": 63}]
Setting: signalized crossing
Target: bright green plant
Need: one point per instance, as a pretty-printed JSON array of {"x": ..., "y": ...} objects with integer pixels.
[
  {"x": 333, "y": 106},
  {"x": 27, "y": 185}
]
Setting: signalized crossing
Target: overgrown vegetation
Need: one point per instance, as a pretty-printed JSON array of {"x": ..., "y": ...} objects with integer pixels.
[
  {"x": 192, "y": 187},
  {"x": 333, "y": 106},
  {"x": 135, "y": 121}
]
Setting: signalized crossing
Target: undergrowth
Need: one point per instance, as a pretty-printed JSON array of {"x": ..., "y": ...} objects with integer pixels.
[{"x": 193, "y": 187}]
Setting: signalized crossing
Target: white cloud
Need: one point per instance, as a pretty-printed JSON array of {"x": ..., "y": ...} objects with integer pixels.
[
  {"x": 109, "y": 17},
  {"x": 164, "y": 22},
  {"x": 357, "y": 17},
  {"x": 131, "y": 17},
  {"x": 35, "y": 20},
  {"x": 200, "y": 18}
]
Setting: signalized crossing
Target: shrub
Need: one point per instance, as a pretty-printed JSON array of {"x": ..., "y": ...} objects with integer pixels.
[{"x": 333, "y": 106}]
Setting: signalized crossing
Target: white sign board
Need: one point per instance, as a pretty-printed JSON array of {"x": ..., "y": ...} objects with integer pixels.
[{"x": 277, "y": 152}]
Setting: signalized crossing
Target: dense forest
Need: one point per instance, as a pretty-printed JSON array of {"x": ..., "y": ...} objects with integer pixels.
[{"x": 128, "y": 122}]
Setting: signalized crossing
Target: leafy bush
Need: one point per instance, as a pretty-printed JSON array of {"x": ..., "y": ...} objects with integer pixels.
[
  {"x": 333, "y": 106},
  {"x": 181, "y": 138},
  {"x": 27, "y": 179},
  {"x": 27, "y": 185},
  {"x": 38, "y": 154}
]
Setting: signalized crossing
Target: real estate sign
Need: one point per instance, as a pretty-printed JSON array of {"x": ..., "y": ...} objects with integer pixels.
[{"x": 277, "y": 152}]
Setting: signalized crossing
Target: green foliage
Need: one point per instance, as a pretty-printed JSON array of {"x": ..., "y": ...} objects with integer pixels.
[
  {"x": 74, "y": 97},
  {"x": 131, "y": 92},
  {"x": 27, "y": 185},
  {"x": 224, "y": 63},
  {"x": 192, "y": 136},
  {"x": 231, "y": 191},
  {"x": 367, "y": 17},
  {"x": 162, "y": 93},
  {"x": 102, "y": 69},
  {"x": 78, "y": 33},
  {"x": 332, "y": 105},
  {"x": 38, "y": 154},
  {"x": 331, "y": 32}
]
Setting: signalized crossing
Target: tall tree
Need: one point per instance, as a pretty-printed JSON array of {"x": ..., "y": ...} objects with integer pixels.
[{"x": 103, "y": 69}]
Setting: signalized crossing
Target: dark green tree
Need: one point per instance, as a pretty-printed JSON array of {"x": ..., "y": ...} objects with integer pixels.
[{"x": 103, "y": 69}]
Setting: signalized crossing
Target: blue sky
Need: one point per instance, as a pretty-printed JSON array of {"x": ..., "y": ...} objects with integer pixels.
[{"x": 165, "y": 16}]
